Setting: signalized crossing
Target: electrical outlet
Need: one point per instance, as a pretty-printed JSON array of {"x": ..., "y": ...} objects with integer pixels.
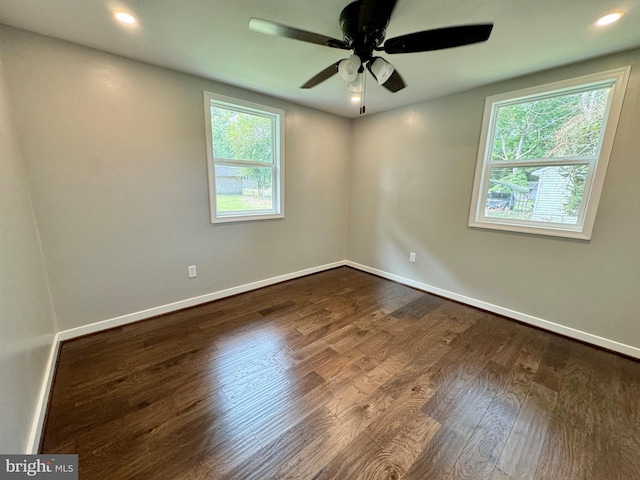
[
  {"x": 412, "y": 257},
  {"x": 192, "y": 271}
]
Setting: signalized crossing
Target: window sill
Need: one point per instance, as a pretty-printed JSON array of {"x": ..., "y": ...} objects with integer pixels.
[
  {"x": 551, "y": 231},
  {"x": 246, "y": 218}
]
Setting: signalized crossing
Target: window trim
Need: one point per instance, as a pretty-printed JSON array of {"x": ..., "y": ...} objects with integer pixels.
[
  {"x": 619, "y": 77},
  {"x": 277, "y": 166}
]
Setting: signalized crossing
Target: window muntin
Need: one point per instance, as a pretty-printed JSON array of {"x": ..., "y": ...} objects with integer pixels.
[
  {"x": 543, "y": 155},
  {"x": 244, "y": 148}
]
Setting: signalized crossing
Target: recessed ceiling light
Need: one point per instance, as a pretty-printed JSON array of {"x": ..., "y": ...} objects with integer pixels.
[
  {"x": 609, "y": 19},
  {"x": 356, "y": 98},
  {"x": 125, "y": 17}
]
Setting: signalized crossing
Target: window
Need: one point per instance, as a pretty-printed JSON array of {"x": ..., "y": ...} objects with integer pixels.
[
  {"x": 543, "y": 155},
  {"x": 245, "y": 160}
]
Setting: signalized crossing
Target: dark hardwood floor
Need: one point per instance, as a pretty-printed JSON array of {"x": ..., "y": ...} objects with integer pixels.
[{"x": 348, "y": 376}]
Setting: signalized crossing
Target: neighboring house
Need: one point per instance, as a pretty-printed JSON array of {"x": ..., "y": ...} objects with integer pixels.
[
  {"x": 552, "y": 195},
  {"x": 228, "y": 181}
]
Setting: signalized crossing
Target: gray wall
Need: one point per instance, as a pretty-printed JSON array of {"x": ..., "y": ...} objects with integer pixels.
[
  {"x": 411, "y": 183},
  {"x": 26, "y": 318},
  {"x": 115, "y": 152}
]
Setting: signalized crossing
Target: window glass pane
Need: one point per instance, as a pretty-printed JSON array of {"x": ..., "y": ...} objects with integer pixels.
[
  {"x": 241, "y": 136},
  {"x": 240, "y": 189},
  {"x": 556, "y": 127},
  {"x": 548, "y": 194}
]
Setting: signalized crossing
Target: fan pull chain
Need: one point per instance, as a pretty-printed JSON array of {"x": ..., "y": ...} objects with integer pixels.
[{"x": 364, "y": 88}]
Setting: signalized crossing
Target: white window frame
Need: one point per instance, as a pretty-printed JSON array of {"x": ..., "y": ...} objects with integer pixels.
[
  {"x": 594, "y": 182},
  {"x": 277, "y": 117}
]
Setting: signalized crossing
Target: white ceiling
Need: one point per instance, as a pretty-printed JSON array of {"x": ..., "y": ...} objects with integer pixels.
[{"x": 211, "y": 38}]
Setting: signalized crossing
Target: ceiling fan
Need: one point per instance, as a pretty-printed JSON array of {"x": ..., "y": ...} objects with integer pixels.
[{"x": 364, "y": 24}]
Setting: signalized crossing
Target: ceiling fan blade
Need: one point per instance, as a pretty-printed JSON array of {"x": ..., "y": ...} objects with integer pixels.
[
  {"x": 279, "y": 30},
  {"x": 438, "y": 39},
  {"x": 375, "y": 13},
  {"x": 328, "y": 72}
]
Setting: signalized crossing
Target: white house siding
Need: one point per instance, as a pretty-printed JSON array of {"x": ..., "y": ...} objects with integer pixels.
[{"x": 553, "y": 192}]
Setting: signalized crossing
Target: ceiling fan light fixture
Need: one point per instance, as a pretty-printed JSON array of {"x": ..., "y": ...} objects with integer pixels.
[
  {"x": 348, "y": 68},
  {"x": 381, "y": 70},
  {"x": 124, "y": 17},
  {"x": 609, "y": 19},
  {"x": 355, "y": 85}
]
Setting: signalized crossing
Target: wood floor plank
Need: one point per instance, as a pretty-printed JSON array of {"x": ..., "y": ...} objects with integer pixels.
[
  {"x": 563, "y": 454},
  {"x": 399, "y": 454},
  {"x": 342, "y": 375},
  {"x": 339, "y": 363},
  {"x": 405, "y": 407},
  {"x": 418, "y": 308},
  {"x": 270, "y": 458},
  {"x": 482, "y": 451},
  {"x": 441, "y": 454},
  {"x": 398, "y": 384},
  {"x": 452, "y": 378},
  {"x": 500, "y": 475},
  {"x": 351, "y": 421},
  {"x": 350, "y": 461},
  {"x": 521, "y": 454},
  {"x": 374, "y": 378}
]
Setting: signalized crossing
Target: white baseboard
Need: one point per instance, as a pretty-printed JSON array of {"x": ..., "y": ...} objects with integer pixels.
[
  {"x": 33, "y": 441},
  {"x": 522, "y": 317}
]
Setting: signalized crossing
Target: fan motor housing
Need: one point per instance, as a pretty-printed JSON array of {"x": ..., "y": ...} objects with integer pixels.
[{"x": 366, "y": 37}]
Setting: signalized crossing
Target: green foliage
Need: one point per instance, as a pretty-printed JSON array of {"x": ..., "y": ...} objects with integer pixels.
[
  {"x": 555, "y": 127},
  {"x": 577, "y": 175},
  {"x": 240, "y": 203},
  {"x": 262, "y": 177},
  {"x": 241, "y": 136},
  {"x": 509, "y": 176}
]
